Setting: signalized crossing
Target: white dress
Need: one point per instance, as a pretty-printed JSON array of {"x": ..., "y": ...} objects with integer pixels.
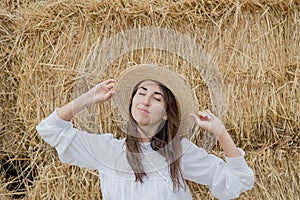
[{"x": 106, "y": 154}]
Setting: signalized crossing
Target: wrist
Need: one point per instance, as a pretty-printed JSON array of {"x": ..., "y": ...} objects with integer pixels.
[
  {"x": 84, "y": 101},
  {"x": 220, "y": 132},
  {"x": 80, "y": 103}
]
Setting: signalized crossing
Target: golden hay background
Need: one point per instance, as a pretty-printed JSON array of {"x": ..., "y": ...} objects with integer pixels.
[{"x": 255, "y": 45}]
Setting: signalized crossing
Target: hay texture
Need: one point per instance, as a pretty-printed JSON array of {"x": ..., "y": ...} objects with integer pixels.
[{"x": 45, "y": 45}]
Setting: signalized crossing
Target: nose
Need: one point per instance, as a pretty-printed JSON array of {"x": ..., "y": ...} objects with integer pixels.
[{"x": 146, "y": 100}]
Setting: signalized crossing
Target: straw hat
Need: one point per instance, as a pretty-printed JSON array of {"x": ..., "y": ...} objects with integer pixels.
[{"x": 185, "y": 98}]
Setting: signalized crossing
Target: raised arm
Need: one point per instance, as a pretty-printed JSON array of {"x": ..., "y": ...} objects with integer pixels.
[
  {"x": 78, "y": 147},
  {"x": 98, "y": 94},
  {"x": 226, "y": 180},
  {"x": 211, "y": 123}
]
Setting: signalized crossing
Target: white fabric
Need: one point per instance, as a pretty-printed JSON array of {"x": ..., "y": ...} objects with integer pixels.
[{"x": 106, "y": 154}]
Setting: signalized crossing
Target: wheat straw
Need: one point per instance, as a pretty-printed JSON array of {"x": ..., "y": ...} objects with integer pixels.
[{"x": 253, "y": 44}]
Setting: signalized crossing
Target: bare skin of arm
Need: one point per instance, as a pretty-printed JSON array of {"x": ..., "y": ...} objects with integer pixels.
[
  {"x": 211, "y": 123},
  {"x": 98, "y": 94}
]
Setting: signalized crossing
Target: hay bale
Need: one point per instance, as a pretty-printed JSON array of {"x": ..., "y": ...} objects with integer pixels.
[{"x": 253, "y": 44}]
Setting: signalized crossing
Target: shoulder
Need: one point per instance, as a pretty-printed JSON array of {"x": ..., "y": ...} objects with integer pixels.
[
  {"x": 191, "y": 149},
  {"x": 109, "y": 137},
  {"x": 101, "y": 139}
]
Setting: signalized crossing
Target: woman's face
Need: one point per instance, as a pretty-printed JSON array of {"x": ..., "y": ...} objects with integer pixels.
[{"x": 148, "y": 105}]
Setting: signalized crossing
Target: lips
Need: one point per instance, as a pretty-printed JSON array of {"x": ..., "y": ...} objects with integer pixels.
[{"x": 143, "y": 110}]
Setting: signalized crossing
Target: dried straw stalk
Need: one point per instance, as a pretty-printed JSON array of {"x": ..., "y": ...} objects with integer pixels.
[{"x": 253, "y": 44}]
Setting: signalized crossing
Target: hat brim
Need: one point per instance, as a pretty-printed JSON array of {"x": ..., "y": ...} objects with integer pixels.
[{"x": 185, "y": 98}]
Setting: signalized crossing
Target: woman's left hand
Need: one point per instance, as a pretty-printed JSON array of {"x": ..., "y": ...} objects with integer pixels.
[{"x": 208, "y": 121}]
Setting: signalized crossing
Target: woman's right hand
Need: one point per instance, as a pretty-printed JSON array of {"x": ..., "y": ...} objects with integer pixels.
[{"x": 100, "y": 92}]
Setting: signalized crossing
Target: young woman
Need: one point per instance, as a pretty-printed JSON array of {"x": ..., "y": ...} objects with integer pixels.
[{"x": 155, "y": 158}]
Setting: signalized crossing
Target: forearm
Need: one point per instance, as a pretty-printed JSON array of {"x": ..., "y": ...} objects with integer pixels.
[
  {"x": 72, "y": 108},
  {"x": 98, "y": 94},
  {"x": 228, "y": 145}
]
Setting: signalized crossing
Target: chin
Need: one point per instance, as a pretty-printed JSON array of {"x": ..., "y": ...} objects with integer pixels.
[{"x": 142, "y": 123}]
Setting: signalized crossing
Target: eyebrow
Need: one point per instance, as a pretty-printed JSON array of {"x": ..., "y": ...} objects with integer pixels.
[{"x": 159, "y": 93}]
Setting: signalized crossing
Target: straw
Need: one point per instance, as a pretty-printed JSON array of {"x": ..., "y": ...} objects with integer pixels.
[{"x": 253, "y": 46}]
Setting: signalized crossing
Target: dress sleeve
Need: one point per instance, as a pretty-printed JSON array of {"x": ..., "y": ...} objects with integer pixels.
[
  {"x": 226, "y": 180},
  {"x": 75, "y": 147}
]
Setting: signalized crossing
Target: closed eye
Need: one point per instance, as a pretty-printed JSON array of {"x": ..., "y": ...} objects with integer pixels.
[{"x": 157, "y": 99}]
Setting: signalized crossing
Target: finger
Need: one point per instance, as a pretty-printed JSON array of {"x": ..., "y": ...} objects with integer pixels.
[
  {"x": 102, "y": 87},
  {"x": 204, "y": 115},
  {"x": 209, "y": 112},
  {"x": 108, "y": 81},
  {"x": 199, "y": 122},
  {"x": 196, "y": 118},
  {"x": 105, "y": 84},
  {"x": 106, "y": 87},
  {"x": 109, "y": 94},
  {"x": 110, "y": 86}
]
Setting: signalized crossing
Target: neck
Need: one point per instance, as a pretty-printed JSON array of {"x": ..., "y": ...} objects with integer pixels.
[
  {"x": 148, "y": 131},
  {"x": 145, "y": 134},
  {"x": 142, "y": 140}
]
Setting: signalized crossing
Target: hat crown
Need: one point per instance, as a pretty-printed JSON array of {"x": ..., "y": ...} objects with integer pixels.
[{"x": 129, "y": 78}]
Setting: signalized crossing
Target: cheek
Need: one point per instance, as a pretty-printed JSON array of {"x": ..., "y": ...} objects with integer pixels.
[
  {"x": 134, "y": 102},
  {"x": 158, "y": 110},
  {"x": 136, "y": 99}
]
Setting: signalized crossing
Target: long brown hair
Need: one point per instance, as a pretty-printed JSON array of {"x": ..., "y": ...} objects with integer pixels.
[{"x": 164, "y": 141}]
